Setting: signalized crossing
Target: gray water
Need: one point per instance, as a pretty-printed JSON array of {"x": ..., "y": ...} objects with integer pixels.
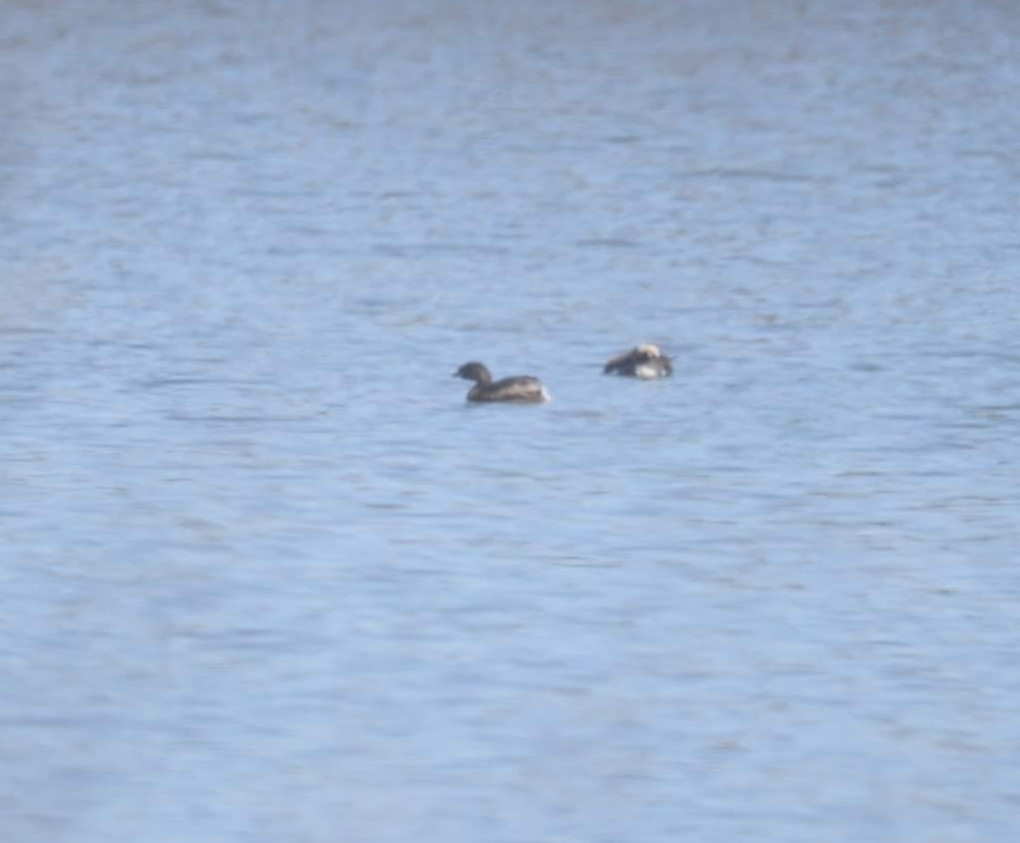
[{"x": 266, "y": 577}]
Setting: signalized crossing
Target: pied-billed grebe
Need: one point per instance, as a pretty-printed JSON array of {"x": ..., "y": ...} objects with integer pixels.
[
  {"x": 522, "y": 390},
  {"x": 646, "y": 362}
]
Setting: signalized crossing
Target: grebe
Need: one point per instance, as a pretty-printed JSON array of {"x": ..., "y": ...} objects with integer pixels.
[{"x": 523, "y": 390}]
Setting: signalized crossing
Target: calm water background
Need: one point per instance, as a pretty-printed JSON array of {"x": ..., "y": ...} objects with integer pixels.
[{"x": 266, "y": 577}]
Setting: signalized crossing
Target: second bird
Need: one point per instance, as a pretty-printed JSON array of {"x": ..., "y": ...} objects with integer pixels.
[{"x": 646, "y": 362}]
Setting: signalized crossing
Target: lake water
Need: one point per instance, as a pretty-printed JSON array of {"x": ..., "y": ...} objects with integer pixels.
[{"x": 266, "y": 577}]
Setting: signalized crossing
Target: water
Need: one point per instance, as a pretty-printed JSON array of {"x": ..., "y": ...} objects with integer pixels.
[{"x": 266, "y": 577}]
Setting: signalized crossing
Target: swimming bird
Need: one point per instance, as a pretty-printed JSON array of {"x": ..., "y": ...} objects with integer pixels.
[
  {"x": 646, "y": 362},
  {"x": 522, "y": 390}
]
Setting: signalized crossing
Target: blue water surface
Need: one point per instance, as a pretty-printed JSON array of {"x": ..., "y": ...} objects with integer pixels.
[{"x": 265, "y": 576}]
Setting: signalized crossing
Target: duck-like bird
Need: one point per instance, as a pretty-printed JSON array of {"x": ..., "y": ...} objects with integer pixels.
[{"x": 646, "y": 362}]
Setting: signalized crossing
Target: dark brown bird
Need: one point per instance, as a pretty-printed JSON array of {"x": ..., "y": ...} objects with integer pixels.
[{"x": 523, "y": 389}]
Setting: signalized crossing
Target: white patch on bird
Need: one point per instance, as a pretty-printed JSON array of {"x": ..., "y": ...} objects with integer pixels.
[{"x": 646, "y": 372}]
